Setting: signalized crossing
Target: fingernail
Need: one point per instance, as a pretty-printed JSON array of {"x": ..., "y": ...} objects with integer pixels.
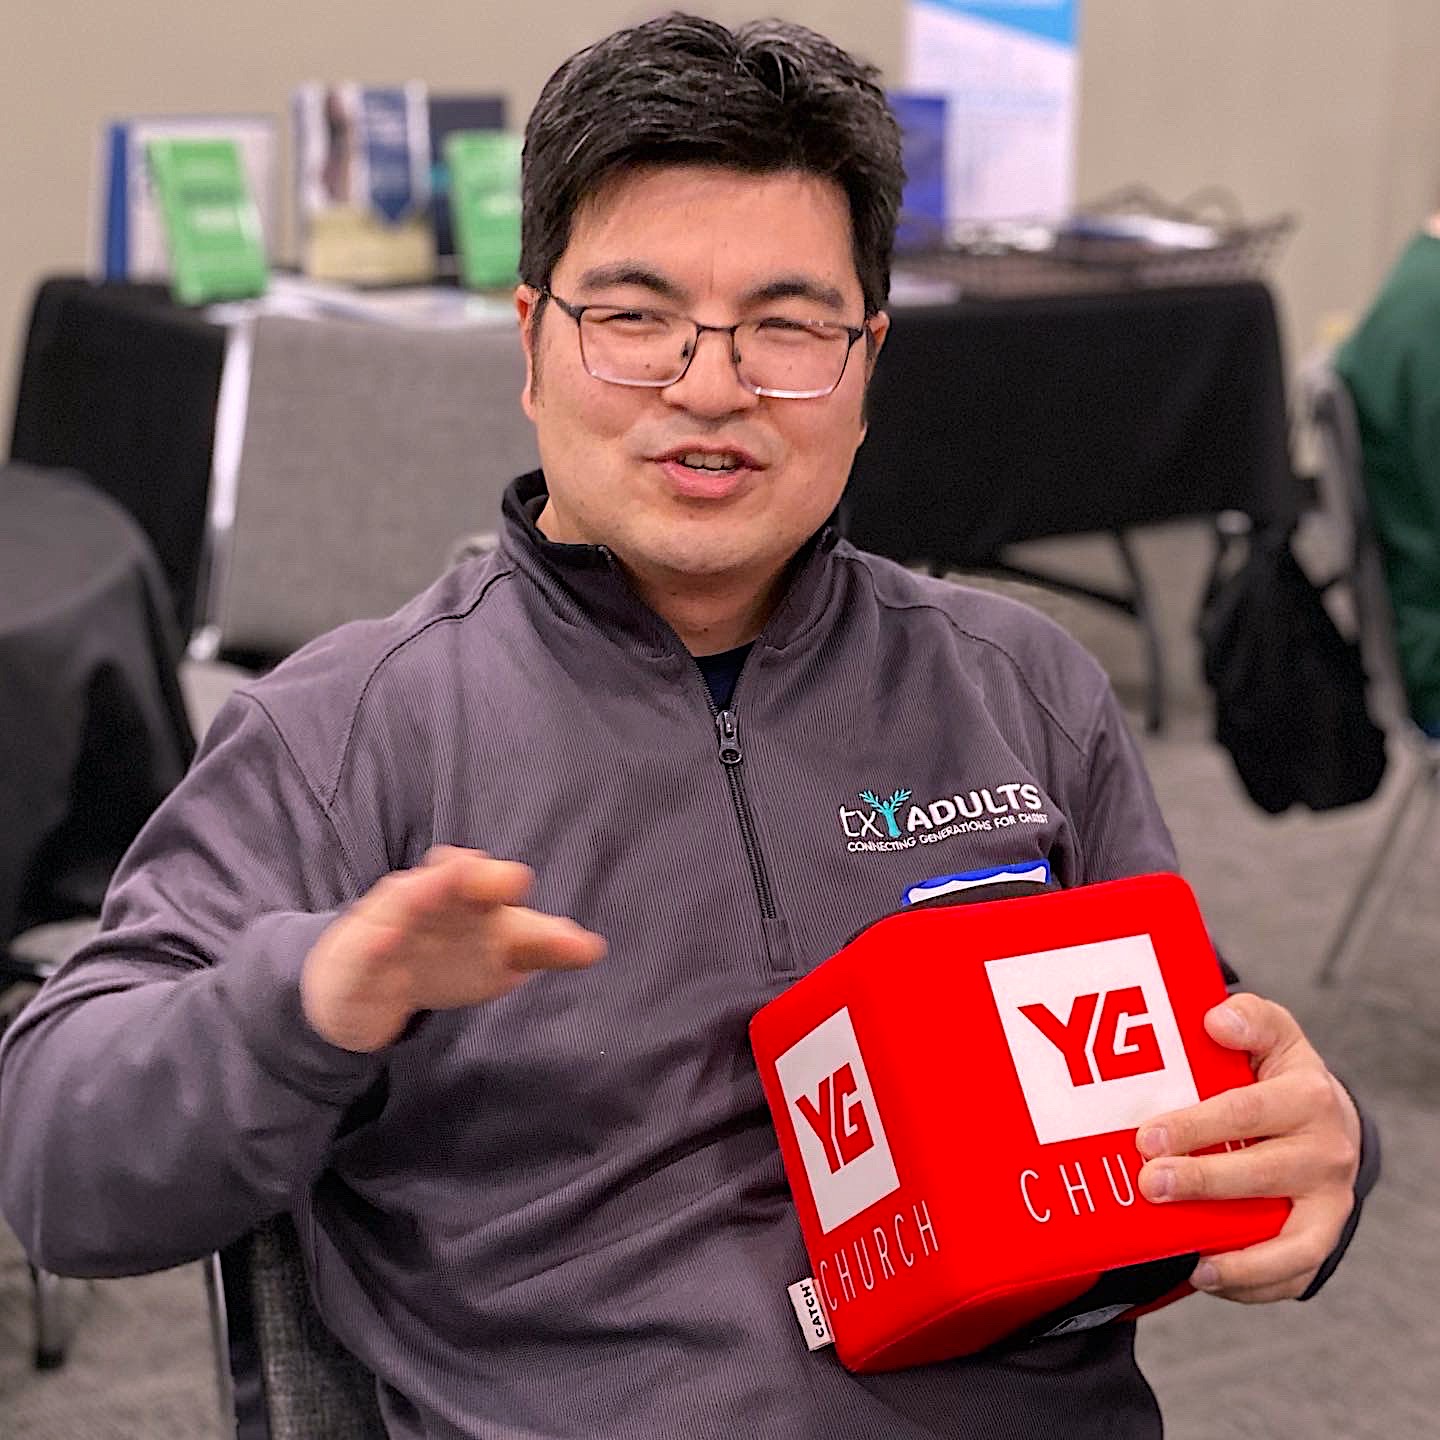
[
  {"x": 1154, "y": 1140},
  {"x": 1159, "y": 1183},
  {"x": 1230, "y": 1023},
  {"x": 1206, "y": 1276}
]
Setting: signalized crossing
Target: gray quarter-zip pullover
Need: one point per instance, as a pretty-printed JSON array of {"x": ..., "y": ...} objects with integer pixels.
[{"x": 562, "y": 1214}]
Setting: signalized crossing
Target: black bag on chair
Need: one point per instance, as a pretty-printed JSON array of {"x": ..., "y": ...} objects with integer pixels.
[{"x": 1289, "y": 687}]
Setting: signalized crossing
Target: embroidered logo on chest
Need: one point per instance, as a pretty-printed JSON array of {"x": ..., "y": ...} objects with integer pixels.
[{"x": 899, "y": 821}]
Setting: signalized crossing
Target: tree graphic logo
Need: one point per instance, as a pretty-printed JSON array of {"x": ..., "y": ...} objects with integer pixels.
[{"x": 887, "y": 808}]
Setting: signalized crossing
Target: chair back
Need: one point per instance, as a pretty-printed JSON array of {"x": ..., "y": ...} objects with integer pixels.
[
  {"x": 120, "y": 383},
  {"x": 290, "y": 1379},
  {"x": 368, "y": 451},
  {"x": 1340, "y": 480},
  {"x": 1340, "y": 483}
]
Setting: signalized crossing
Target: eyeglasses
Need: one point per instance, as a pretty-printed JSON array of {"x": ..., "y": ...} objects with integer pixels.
[{"x": 784, "y": 358}]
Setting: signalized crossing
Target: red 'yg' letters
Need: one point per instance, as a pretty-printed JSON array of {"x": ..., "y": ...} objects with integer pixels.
[
  {"x": 1120, "y": 1048},
  {"x": 837, "y": 1117},
  {"x": 1069, "y": 1039}
]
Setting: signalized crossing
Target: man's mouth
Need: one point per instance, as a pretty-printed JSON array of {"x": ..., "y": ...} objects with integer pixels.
[
  {"x": 706, "y": 475},
  {"x": 705, "y": 460},
  {"x": 709, "y": 459}
]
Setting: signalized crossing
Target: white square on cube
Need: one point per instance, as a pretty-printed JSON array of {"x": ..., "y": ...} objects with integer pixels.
[
  {"x": 802, "y": 1069},
  {"x": 1060, "y": 1109}
]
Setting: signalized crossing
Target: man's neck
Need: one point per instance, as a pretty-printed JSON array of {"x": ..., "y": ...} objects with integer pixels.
[
  {"x": 709, "y": 613},
  {"x": 710, "y": 619}
]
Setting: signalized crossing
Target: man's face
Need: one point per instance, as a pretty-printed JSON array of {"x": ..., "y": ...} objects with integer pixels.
[{"x": 719, "y": 246}]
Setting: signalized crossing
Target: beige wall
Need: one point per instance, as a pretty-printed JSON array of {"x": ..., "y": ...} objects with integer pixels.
[
  {"x": 1329, "y": 108},
  {"x": 1325, "y": 108}
]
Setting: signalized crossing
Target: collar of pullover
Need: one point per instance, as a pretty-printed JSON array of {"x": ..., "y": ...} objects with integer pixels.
[{"x": 589, "y": 587}]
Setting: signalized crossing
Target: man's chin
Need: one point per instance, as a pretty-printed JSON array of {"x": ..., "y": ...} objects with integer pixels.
[{"x": 702, "y": 554}]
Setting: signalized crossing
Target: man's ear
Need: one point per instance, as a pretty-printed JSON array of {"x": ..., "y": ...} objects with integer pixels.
[
  {"x": 527, "y": 306},
  {"x": 879, "y": 328},
  {"x": 876, "y": 329}
]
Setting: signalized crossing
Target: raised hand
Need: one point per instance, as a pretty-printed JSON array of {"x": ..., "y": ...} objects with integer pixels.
[{"x": 447, "y": 934}]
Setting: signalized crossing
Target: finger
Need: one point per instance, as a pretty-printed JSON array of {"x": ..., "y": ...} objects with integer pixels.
[
  {"x": 411, "y": 903},
  {"x": 1278, "y": 1105},
  {"x": 1290, "y": 1289},
  {"x": 438, "y": 854},
  {"x": 483, "y": 881},
  {"x": 1269, "y": 1032},
  {"x": 527, "y": 940},
  {"x": 1278, "y": 1268},
  {"x": 1262, "y": 1294},
  {"x": 1287, "y": 1165},
  {"x": 462, "y": 881}
]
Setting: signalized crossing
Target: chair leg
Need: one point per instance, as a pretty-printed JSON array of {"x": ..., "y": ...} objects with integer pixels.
[
  {"x": 51, "y": 1341},
  {"x": 1365, "y": 900},
  {"x": 1146, "y": 618},
  {"x": 220, "y": 1339}
]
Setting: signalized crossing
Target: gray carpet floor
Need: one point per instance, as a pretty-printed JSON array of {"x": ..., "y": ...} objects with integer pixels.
[{"x": 1360, "y": 1362}]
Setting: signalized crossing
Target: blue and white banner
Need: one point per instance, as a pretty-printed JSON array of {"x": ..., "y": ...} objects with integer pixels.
[
  {"x": 923, "y": 212},
  {"x": 1009, "y": 72},
  {"x": 396, "y": 153}
]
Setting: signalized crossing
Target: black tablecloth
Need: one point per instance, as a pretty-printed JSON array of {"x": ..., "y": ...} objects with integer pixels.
[
  {"x": 120, "y": 383},
  {"x": 92, "y": 726},
  {"x": 993, "y": 421}
]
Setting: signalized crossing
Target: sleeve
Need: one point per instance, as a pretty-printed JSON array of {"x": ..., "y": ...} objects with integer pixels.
[
  {"x": 1365, "y": 1178},
  {"x": 164, "y": 1093},
  {"x": 1118, "y": 826},
  {"x": 1122, "y": 832}
]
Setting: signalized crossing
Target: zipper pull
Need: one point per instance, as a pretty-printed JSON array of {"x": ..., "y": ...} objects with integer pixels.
[{"x": 726, "y": 724}]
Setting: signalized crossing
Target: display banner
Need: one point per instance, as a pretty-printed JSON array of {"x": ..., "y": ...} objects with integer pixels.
[
  {"x": 1009, "y": 71},
  {"x": 484, "y": 168},
  {"x": 217, "y": 248},
  {"x": 130, "y": 231},
  {"x": 923, "y": 212},
  {"x": 385, "y": 125}
]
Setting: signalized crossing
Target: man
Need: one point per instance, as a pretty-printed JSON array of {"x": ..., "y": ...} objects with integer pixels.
[
  {"x": 1392, "y": 367},
  {"x": 532, "y": 1169}
]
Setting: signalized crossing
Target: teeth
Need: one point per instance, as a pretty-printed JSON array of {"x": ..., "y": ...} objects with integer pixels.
[{"x": 700, "y": 460}]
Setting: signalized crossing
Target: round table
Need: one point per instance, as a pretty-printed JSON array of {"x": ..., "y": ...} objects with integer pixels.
[{"x": 93, "y": 731}]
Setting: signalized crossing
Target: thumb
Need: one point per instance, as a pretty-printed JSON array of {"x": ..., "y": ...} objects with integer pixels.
[{"x": 1267, "y": 1031}]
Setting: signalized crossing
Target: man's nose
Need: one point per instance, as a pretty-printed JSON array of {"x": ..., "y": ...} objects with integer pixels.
[{"x": 711, "y": 386}]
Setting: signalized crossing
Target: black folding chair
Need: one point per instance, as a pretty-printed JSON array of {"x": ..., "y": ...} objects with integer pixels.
[{"x": 1340, "y": 483}]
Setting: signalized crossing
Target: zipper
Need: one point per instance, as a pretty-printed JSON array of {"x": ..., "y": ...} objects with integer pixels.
[{"x": 732, "y": 757}]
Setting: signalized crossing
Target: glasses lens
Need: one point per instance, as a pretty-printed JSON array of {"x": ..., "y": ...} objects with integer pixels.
[
  {"x": 634, "y": 347},
  {"x": 791, "y": 356}
]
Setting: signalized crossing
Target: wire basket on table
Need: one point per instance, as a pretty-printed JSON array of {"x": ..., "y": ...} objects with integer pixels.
[{"x": 1131, "y": 239}]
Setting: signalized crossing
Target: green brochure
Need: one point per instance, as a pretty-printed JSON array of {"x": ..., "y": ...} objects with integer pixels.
[
  {"x": 484, "y": 170},
  {"x": 217, "y": 249}
]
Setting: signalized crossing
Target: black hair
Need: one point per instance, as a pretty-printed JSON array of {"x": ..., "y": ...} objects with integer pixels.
[{"x": 681, "y": 90}]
